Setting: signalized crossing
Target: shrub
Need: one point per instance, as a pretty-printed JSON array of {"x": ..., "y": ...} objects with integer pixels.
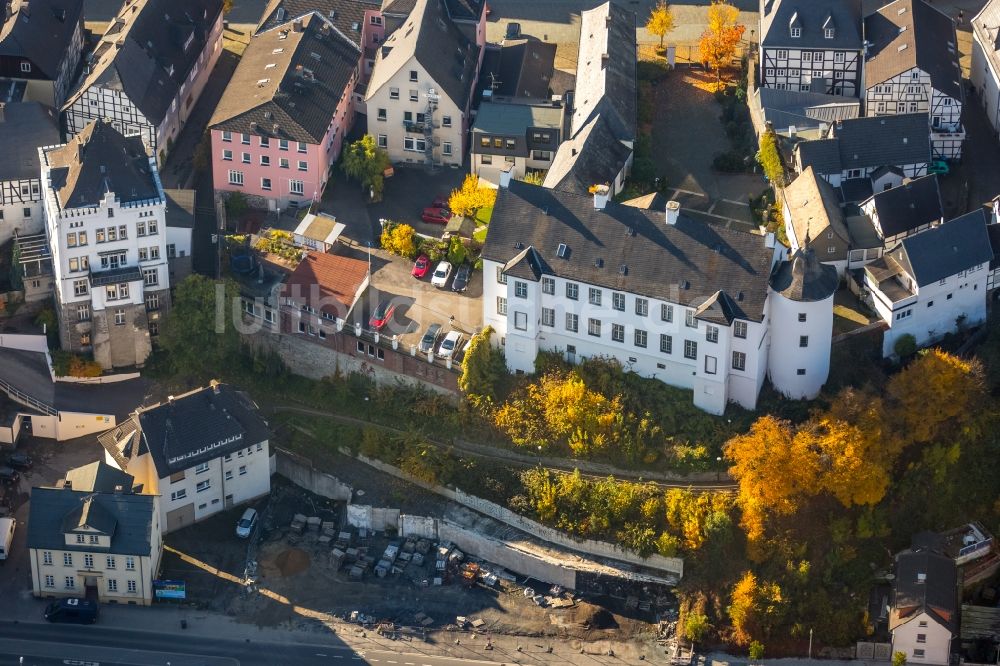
[
  {"x": 905, "y": 346},
  {"x": 279, "y": 243},
  {"x": 67, "y": 364},
  {"x": 399, "y": 239}
]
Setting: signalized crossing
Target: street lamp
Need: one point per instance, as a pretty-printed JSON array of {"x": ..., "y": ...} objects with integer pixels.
[{"x": 718, "y": 470}]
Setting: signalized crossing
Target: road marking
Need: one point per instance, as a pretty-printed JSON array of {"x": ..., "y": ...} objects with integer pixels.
[
  {"x": 694, "y": 194},
  {"x": 737, "y": 203}
]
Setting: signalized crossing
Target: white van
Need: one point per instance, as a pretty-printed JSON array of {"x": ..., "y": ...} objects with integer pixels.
[{"x": 6, "y": 536}]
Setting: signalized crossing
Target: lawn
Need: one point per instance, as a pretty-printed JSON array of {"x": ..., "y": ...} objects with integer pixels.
[{"x": 483, "y": 215}]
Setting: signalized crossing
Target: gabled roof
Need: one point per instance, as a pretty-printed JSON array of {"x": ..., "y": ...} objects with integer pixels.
[
  {"x": 908, "y": 206},
  {"x": 911, "y": 33},
  {"x": 606, "y": 70},
  {"x": 810, "y": 16},
  {"x": 148, "y": 51},
  {"x": 814, "y": 208},
  {"x": 629, "y": 249},
  {"x": 986, "y": 31},
  {"x": 289, "y": 82},
  {"x": 593, "y": 156},
  {"x": 874, "y": 141},
  {"x": 327, "y": 282},
  {"x": 24, "y": 128},
  {"x": 429, "y": 36},
  {"x": 926, "y": 582},
  {"x": 99, "y": 477},
  {"x": 524, "y": 68},
  {"x": 946, "y": 249},
  {"x": 346, "y": 15},
  {"x": 40, "y": 31},
  {"x": 527, "y": 264},
  {"x": 100, "y": 160},
  {"x": 196, "y": 427},
  {"x": 803, "y": 278},
  {"x": 53, "y": 511},
  {"x": 719, "y": 308},
  {"x": 804, "y": 110}
]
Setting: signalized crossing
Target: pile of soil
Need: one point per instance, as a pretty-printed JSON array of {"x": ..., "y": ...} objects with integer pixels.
[
  {"x": 600, "y": 619},
  {"x": 292, "y": 561}
]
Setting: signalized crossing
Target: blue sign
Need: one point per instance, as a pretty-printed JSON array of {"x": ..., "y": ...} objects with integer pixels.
[{"x": 169, "y": 589}]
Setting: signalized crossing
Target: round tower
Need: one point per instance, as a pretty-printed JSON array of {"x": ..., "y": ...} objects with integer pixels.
[{"x": 801, "y": 295}]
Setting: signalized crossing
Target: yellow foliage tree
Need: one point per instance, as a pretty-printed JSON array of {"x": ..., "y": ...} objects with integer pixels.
[
  {"x": 755, "y": 606},
  {"x": 660, "y": 21},
  {"x": 719, "y": 41},
  {"x": 470, "y": 197},
  {"x": 399, "y": 240},
  {"x": 849, "y": 469}
]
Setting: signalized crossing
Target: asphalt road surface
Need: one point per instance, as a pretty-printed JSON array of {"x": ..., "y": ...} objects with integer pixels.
[{"x": 33, "y": 644}]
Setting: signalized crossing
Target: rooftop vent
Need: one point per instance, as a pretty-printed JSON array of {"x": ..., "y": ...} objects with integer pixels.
[
  {"x": 562, "y": 251},
  {"x": 901, "y": 48},
  {"x": 921, "y": 578}
]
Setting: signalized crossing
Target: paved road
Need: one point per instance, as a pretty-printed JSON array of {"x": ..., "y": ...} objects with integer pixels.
[{"x": 70, "y": 645}]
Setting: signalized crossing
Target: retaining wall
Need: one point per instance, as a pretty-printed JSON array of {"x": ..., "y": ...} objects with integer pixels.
[{"x": 301, "y": 472}]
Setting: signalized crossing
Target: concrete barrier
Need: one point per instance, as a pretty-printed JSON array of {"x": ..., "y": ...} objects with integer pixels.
[{"x": 301, "y": 472}]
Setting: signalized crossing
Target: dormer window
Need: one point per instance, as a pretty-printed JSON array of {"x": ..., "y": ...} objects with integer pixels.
[
  {"x": 796, "y": 32},
  {"x": 828, "y": 33}
]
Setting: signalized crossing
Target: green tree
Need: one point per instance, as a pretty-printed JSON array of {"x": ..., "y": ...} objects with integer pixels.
[
  {"x": 756, "y": 651},
  {"x": 905, "y": 346},
  {"x": 696, "y": 626},
  {"x": 199, "y": 334},
  {"x": 366, "y": 163},
  {"x": 456, "y": 251},
  {"x": 47, "y": 319},
  {"x": 236, "y": 207},
  {"x": 660, "y": 21},
  {"x": 16, "y": 270},
  {"x": 770, "y": 159},
  {"x": 484, "y": 370}
]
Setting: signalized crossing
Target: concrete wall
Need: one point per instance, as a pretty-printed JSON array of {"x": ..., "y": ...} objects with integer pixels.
[
  {"x": 376, "y": 518},
  {"x": 418, "y": 526},
  {"x": 300, "y": 471}
]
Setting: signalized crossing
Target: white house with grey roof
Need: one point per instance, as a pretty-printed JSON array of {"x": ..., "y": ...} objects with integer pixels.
[
  {"x": 681, "y": 301},
  {"x": 517, "y": 135},
  {"x": 905, "y": 210},
  {"x": 911, "y": 66},
  {"x": 148, "y": 70},
  {"x": 202, "y": 452},
  {"x": 931, "y": 283},
  {"x": 24, "y": 128},
  {"x": 603, "y": 127},
  {"x": 811, "y": 46},
  {"x": 41, "y": 43},
  {"x": 94, "y": 534},
  {"x": 984, "y": 72}
]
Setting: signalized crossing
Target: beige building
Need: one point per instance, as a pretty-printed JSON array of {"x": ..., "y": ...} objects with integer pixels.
[
  {"x": 421, "y": 86},
  {"x": 92, "y": 536},
  {"x": 813, "y": 218}
]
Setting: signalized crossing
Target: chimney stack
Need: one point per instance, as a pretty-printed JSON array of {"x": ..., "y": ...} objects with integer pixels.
[
  {"x": 601, "y": 195},
  {"x": 297, "y": 25},
  {"x": 673, "y": 212},
  {"x": 505, "y": 177}
]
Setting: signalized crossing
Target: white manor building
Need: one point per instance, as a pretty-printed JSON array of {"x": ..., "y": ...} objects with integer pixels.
[
  {"x": 105, "y": 222},
  {"x": 688, "y": 303},
  {"x": 202, "y": 452}
]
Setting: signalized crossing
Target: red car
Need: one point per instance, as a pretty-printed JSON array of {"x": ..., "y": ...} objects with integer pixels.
[
  {"x": 382, "y": 315},
  {"x": 440, "y": 202},
  {"x": 436, "y": 215},
  {"x": 421, "y": 266}
]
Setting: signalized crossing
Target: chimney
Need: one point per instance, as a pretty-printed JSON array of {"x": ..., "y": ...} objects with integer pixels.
[
  {"x": 601, "y": 195},
  {"x": 297, "y": 26},
  {"x": 673, "y": 212},
  {"x": 2, "y": 116},
  {"x": 215, "y": 386},
  {"x": 505, "y": 177}
]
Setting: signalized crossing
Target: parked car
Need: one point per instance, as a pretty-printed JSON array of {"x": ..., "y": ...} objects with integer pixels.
[
  {"x": 450, "y": 345},
  {"x": 430, "y": 339},
  {"x": 940, "y": 167},
  {"x": 75, "y": 611},
  {"x": 8, "y": 475},
  {"x": 382, "y": 314},
  {"x": 20, "y": 460},
  {"x": 436, "y": 215},
  {"x": 462, "y": 275},
  {"x": 441, "y": 275},
  {"x": 7, "y": 526},
  {"x": 244, "y": 528},
  {"x": 440, "y": 201},
  {"x": 421, "y": 266}
]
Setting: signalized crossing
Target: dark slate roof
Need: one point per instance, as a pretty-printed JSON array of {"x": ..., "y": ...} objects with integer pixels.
[
  {"x": 142, "y": 53},
  {"x": 911, "y": 33},
  {"x": 53, "y": 510},
  {"x": 686, "y": 263},
  {"x": 180, "y": 208},
  {"x": 100, "y": 160},
  {"x": 198, "y": 426},
  {"x": 908, "y": 206},
  {"x": 89, "y": 515},
  {"x": 854, "y": 190},
  {"x": 437, "y": 44},
  {"x": 803, "y": 278},
  {"x": 299, "y": 94},
  {"x": 926, "y": 582},
  {"x": 869, "y": 142},
  {"x": 776, "y": 17},
  {"x": 99, "y": 477},
  {"x": 804, "y": 110},
  {"x": 524, "y": 69},
  {"x": 823, "y": 155},
  {"x": 718, "y": 309},
  {"x": 595, "y": 155},
  {"x": 515, "y": 118},
  {"x": 24, "y": 128},
  {"x": 346, "y": 15},
  {"x": 40, "y": 31},
  {"x": 946, "y": 249},
  {"x": 606, "y": 70}
]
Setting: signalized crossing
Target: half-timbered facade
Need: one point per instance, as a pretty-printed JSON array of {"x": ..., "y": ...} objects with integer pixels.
[
  {"x": 24, "y": 127},
  {"x": 148, "y": 70},
  {"x": 40, "y": 46},
  {"x": 105, "y": 213},
  {"x": 811, "y": 46},
  {"x": 912, "y": 67}
]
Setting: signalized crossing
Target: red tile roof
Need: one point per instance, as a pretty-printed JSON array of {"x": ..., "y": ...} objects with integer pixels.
[{"x": 327, "y": 282}]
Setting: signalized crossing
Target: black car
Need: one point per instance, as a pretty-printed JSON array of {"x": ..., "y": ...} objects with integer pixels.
[
  {"x": 8, "y": 475},
  {"x": 73, "y": 611},
  {"x": 461, "y": 281},
  {"x": 430, "y": 339},
  {"x": 20, "y": 461}
]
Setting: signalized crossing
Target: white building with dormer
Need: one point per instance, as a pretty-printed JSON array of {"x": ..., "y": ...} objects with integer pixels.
[
  {"x": 670, "y": 298},
  {"x": 105, "y": 223}
]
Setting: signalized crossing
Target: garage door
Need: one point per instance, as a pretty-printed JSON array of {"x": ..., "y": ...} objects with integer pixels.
[{"x": 180, "y": 517}]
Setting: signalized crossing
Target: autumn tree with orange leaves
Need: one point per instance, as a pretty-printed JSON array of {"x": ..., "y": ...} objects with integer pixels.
[{"x": 722, "y": 37}]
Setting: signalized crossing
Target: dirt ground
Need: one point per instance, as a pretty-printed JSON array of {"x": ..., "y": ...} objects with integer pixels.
[{"x": 297, "y": 586}]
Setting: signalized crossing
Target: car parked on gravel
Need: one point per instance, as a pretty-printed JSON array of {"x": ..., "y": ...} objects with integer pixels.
[
  {"x": 430, "y": 339},
  {"x": 421, "y": 266},
  {"x": 461, "y": 281},
  {"x": 441, "y": 275}
]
